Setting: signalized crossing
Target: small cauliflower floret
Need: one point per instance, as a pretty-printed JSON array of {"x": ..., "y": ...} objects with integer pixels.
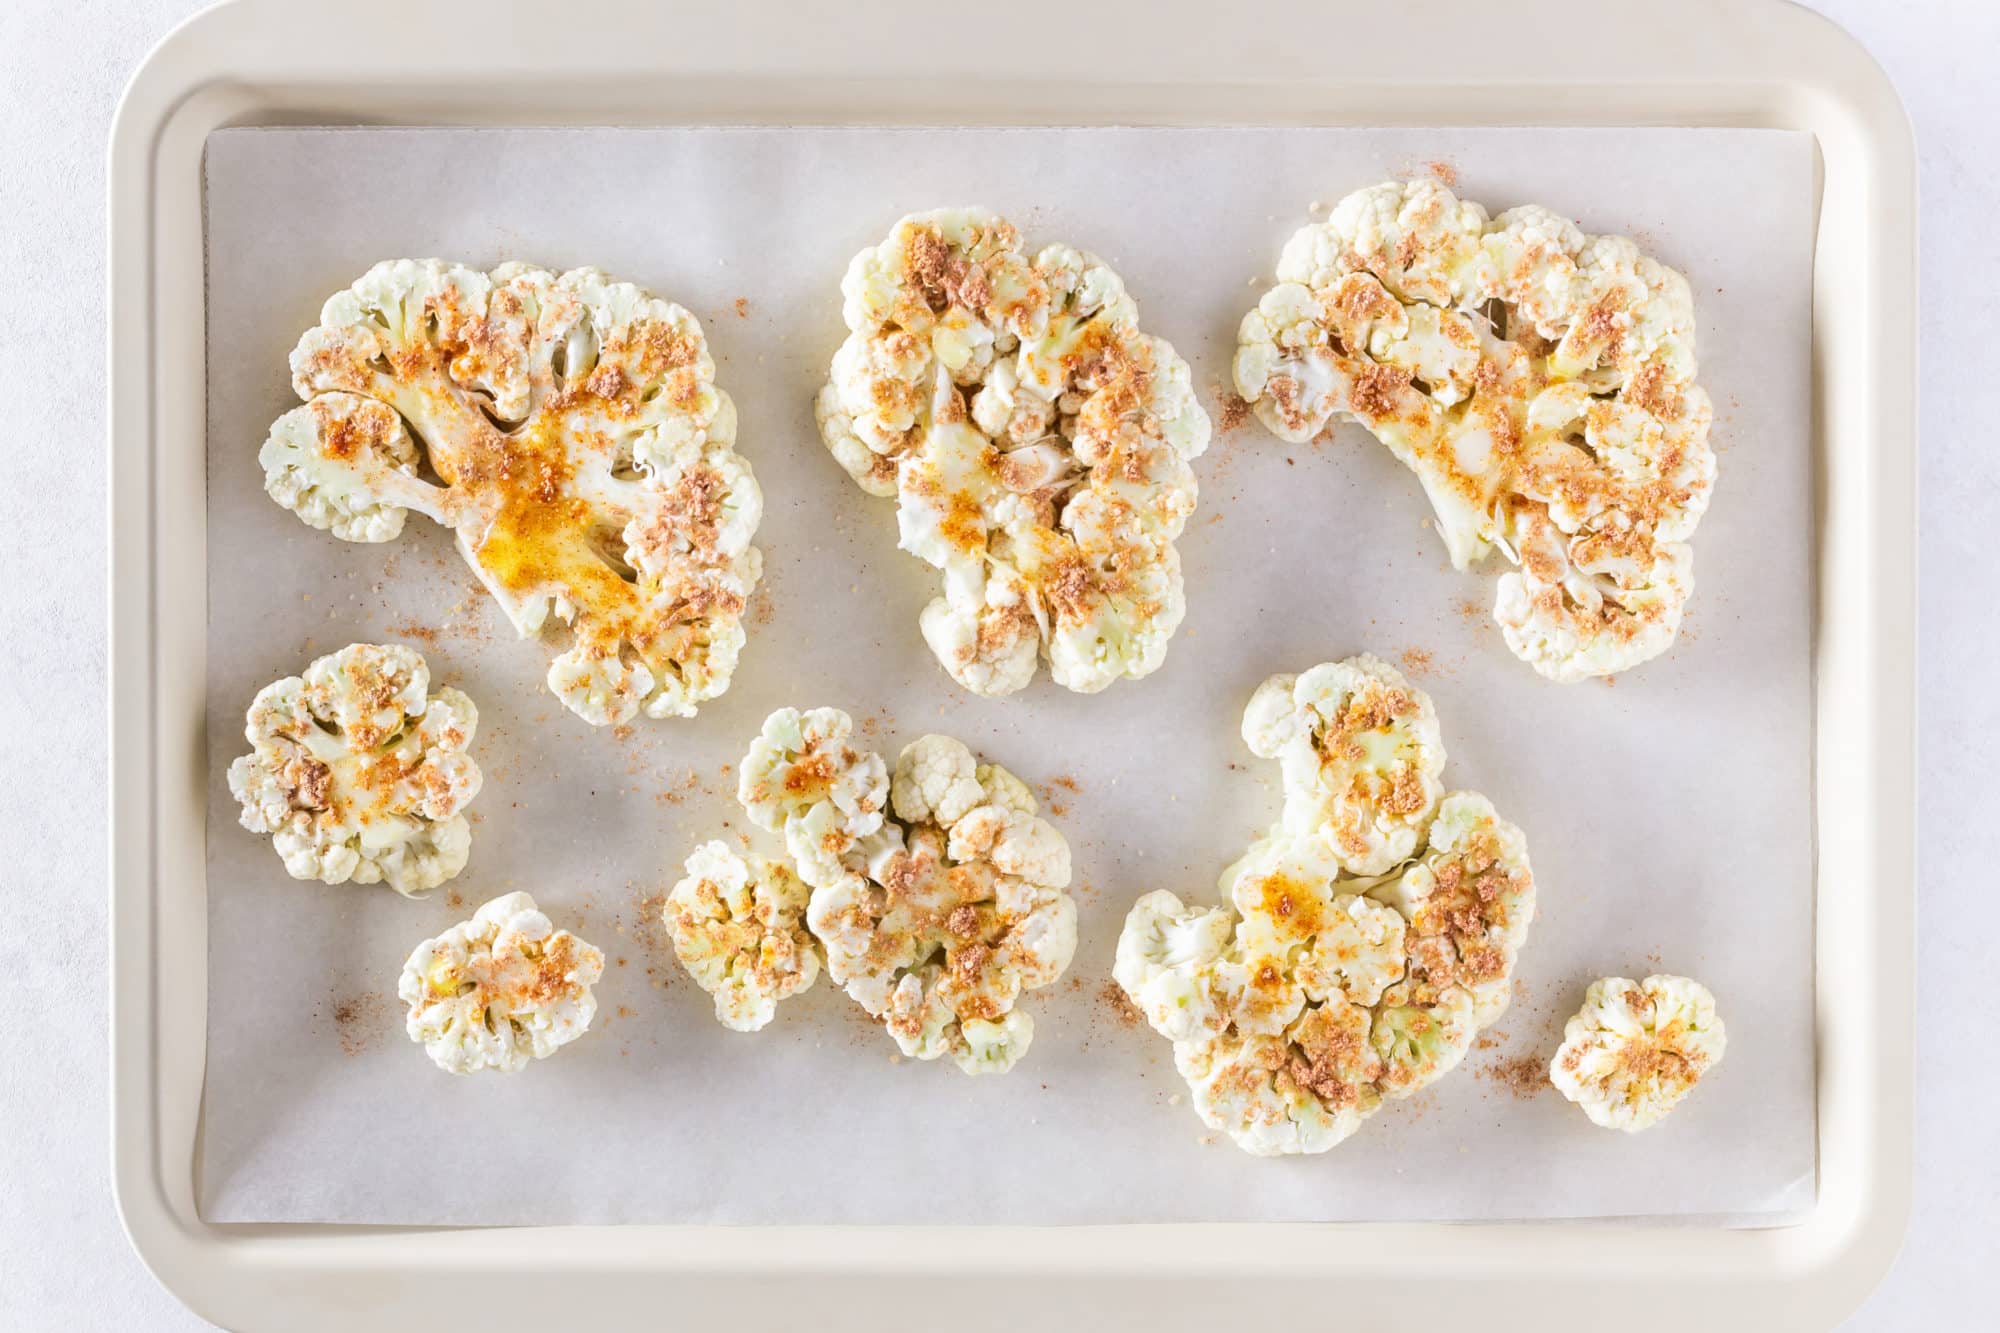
[
  {"x": 1036, "y": 441},
  {"x": 500, "y": 990},
  {"x": 1302, "y": 1091},
  {"x": 1469, "y": 901},
  {"x": 1514, "y": 364},
  {"x": 1636, "y": 1048},
  {"x": 1166, "y": 963},
  {"x": 803, "y": 778},
  {"x": 359, "y": 770},
  {"x": 937, "y": 920},
  {"x": 1346, "y": 969},
  {"x": 738, "y": 929},
  {"x": 1360, "y": 754},
  {"x": 585, "y": 461}
]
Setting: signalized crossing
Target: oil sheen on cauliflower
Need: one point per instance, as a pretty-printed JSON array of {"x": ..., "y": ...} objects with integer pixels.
[
  {"x": 738, "y": 928},
  {"x": 1037, "y": 444},
  {"x": 1340, "y": 970},
  {"x": 581, "y": 453},
  {"x": 936, "y": 914},
  {"x": 500, "y": 990},
  {"x": 1636, "y": 1048},
  {"x": 359, "y": 770},
  {"x": 1539, "y": 381}
]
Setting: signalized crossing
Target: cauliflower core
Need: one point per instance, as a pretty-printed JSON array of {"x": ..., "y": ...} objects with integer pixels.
[
  {"x": 1036, "y": 442},
  {"x": 737, "y": 928},
  {"x": 1636, "y": 1048},
  {"x": 935, "y": 911},
  {"x": 1342, "y": 969},
  {"x": 358, "y": 770},
  {"x": 580, "y": 450},
  {"x": 1539, "y": 382},
  {"x": 499, "y": 990}
]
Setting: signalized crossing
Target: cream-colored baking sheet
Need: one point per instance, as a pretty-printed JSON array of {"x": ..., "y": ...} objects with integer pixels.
[{"x": 1668, "y": 813}]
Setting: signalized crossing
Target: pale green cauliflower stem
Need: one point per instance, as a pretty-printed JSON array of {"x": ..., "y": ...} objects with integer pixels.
[
  {"x": 1636, "y": 1049},
  {"x": 1342, "y": 970},
  {"x": 938, "y": 919},
  {"x": 360, "y": 771},
  {"x": 586, "y": 463},
  {"x": 1539, "y": 382},
  {"x": 1036, "y": 441},
  {"x": 500, "y": 990},
  {"x": 738, "y": 928}
]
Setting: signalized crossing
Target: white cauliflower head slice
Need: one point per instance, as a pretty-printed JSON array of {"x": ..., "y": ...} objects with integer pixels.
[
  {"x": 1360, "y": 753},
  {"x": 938, "y": 921},
  {"x": 1343, "y": 970},
  {"x": 360, "y": 771},
  {"x": 1636, "y": 1049},
  {"x": 804, "y": 778},
  {"x": 500, "y": 990},
  {"x": 585, "y": 460},
  {"x": 1519, "y": 367},
  {"x": 1036, "y": 441},
  {"x": 738, "y": 928}
]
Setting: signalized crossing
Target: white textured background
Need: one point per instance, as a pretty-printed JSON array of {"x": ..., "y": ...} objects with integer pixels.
[{"x": 63, "y": 1262}]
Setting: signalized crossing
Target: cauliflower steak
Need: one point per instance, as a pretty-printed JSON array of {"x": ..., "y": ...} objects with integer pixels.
[
  {"x": 1539, "y": 381},
  {"x": 576, "y": 445},
  {"x": 937, "y": 892},
  {"x": 1036, "y": 442},
  {"x": 500, "y": 990},
  {"x": 1362, "y": 943},
  {"x": 1636, "y": 1049},
  {"x": 359, "y": 770}
]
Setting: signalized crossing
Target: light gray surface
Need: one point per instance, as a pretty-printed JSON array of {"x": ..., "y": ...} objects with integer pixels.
[
  {"x": 67, "y": 1265},
  {"x": 1296, "y": 555}
]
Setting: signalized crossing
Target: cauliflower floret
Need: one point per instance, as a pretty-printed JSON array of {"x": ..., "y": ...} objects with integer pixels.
[
  {"x": 1360, "y": 755},
  {"x": 359, "y": 771},
  {"x": 1636, "y": 1048},
  {"x": 937, "y": 921},
  {"x": 1344, "y": 970},
  {"x": 1539, "y": 382},
  {"x": 1037, "y": 443},
  {"x": 587, "y": 464},
  {"x": 738, "y": 929},
  {"x": 803, "y": 778},
  {"x": 501, "y": 989}
]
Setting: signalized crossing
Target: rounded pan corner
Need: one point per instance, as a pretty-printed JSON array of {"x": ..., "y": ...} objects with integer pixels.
[
  {"x": 177, "y": 1249},
  {"x": 1830, "y": 62}
]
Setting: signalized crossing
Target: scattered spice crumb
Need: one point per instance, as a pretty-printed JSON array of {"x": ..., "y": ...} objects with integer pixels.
[
  {"x": 453, "y": 898},
  {"x": 1234, "y": 411},
  {"x": 357, "y": 1022},
  {"x": 1418, "y": 661},
  {"x": 1120, "y": 1004},
  {"x": 1469, "y": 609},
  {"x": 1523, "y": 1076},
  {"x": 1445, "y": 172},
  {"x": 742, "y": 307}
]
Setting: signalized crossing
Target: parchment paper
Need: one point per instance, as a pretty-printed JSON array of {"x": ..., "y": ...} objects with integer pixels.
[{"x": 1667, "y": 814}]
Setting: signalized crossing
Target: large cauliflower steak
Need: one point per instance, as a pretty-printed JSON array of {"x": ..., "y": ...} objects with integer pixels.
[
  {"x": 359, "y": 770},
  {"x": 1539, "y": 381},
  {"x": 1362, "y": 944},
  {"x": 500, "y": 990},
  {"x": 582, "y": 454},
  {"x": 1036, "y": 442},
  {"x": 934, "y": 912},
  {"x": 1636, "y": 1049}
]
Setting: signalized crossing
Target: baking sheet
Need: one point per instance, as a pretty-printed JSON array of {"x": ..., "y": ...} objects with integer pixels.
[{"x": 1668, "y": 813}]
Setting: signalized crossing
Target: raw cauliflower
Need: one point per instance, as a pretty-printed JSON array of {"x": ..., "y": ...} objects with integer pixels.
[
  {"x": 499, "y": 990},
  {"x": 803, "y": 778},
  {"x": 1636, "y": 1048},
  {"x": 937, "y": 919},
  {"x": 1539, "y": 382},
  {"x": 1342, "y": 969},
  {"x": 583, "y": 456},
  {"x": 738, "y": 929},
  {"x": 359, "y": 770},
  {"x": 1036, "y": 442}
]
